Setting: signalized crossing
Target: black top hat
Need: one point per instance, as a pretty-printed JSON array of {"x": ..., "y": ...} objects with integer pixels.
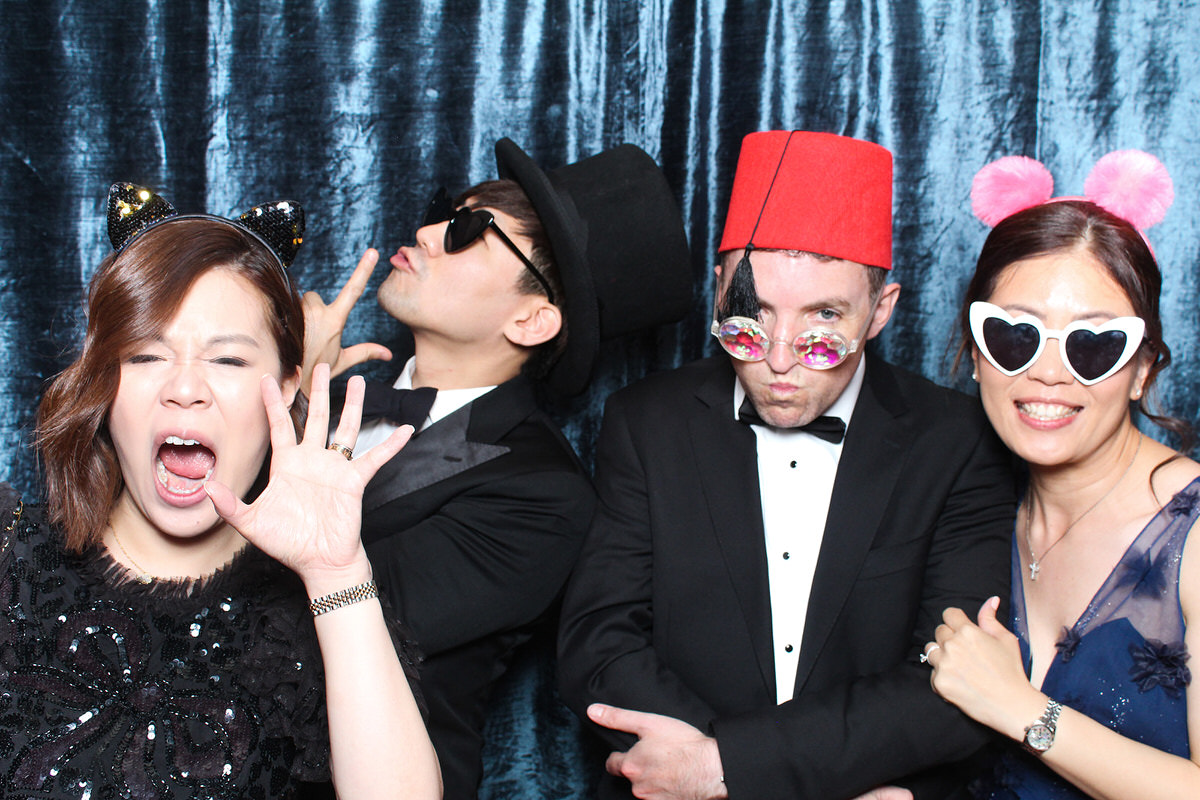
[{"x": 619, "y": 244}]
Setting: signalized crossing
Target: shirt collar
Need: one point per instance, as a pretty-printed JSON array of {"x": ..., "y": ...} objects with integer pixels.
[{"x": 448, "y": 400}]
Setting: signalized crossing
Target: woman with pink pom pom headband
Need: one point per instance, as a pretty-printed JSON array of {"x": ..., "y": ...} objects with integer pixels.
[
  {"x": 1102, "y": 585},
  {"x": 1130, "y": 184}
]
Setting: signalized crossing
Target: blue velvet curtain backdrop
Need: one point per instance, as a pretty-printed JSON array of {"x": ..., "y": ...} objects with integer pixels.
[{"x": 359, "y": 110}]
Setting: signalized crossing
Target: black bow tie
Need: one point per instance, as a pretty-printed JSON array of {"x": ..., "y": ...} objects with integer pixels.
[
  {"x": 831, "y": 429},
  {"x": 400, "y": 406}
]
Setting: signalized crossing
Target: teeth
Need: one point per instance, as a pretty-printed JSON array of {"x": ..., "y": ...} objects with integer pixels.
[
  {"x": 188, "y": 484},
  {"x": 1047, "y": 411},
  {"x": 185, "y": 442}
]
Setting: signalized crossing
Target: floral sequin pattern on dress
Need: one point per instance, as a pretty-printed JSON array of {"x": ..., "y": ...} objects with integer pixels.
[{"x": 113, "y": 689}]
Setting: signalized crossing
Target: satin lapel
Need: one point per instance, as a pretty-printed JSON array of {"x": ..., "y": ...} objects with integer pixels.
[
  {"x": 868, "y": 473},
  {"x": 441, "y": 451},
  {"x": 726, "y": 456},
  {"x": 463, "y": 440}
]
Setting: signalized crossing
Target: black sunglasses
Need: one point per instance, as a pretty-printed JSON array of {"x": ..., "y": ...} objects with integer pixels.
[{"x": 467, "y": 225}]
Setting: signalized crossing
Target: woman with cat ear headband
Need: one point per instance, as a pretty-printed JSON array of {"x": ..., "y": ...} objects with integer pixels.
[
  {"x": 192, "y": 613},
  {"x": 1061, "y": 323}
]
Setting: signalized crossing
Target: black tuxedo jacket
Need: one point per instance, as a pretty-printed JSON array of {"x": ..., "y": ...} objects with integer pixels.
[
  {"x": 472, "y": 530},
  {"x": 668, "y": 610}
]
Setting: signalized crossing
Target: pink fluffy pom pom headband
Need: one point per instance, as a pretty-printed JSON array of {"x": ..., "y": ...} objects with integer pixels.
[{"x": 1130, "y": 184}]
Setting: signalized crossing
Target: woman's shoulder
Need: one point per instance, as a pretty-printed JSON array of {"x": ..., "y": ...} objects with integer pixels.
[
  {"x": 1171, "y": 472},
  {"x": 1176, "y": 483}
]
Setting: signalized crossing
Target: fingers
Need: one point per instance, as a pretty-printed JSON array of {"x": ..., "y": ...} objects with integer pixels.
[
  {"x": 361, "y": 353},
  {"x": 987, "y": 617},
  {"x": 380, "y": 454},
  {"x": 283, "y": 432},
  {"x": 347, "y": 430},
  {"x": 955, "y": 618},
  {"x": 887, "y": 793},
  {"x": 357, "y": 283},
  {"x": 614, "y": 763},
  {"x": 225, "y": 501},
  {"x": 621, "y": 719},
  {"x": 317, "y": 425}
]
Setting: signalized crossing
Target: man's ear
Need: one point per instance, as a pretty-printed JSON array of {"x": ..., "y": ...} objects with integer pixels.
[
  {"x": 884, "y": 309},
  {"x": 538, "y": 323}
]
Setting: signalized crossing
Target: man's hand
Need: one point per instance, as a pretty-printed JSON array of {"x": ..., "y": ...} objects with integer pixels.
[
  {"x": 671, "y": 761},
  {"x": 323, "y": 325}
]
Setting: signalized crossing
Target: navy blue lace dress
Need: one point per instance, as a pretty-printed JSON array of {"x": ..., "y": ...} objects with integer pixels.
[
  {"x": 1124, "y": 663},
  {"x": 109, "y": 688}
]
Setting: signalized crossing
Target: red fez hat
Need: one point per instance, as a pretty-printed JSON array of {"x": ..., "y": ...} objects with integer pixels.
[{"x": 816, "y": 192}]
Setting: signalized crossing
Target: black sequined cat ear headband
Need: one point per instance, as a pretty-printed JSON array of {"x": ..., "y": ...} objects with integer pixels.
[{"x": 133, "y": 209}]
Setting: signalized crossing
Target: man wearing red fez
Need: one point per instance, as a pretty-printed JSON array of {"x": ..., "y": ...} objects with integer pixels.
[{"x": 781, "y": 526}]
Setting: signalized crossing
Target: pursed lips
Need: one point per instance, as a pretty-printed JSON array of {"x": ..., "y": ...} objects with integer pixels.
[{"x": 402, "y": 262}]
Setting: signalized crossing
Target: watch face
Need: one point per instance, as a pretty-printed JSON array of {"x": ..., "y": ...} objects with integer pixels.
[{"x": 1039, "y": 737}]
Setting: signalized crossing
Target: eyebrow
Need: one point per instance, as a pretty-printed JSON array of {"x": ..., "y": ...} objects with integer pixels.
[
  {"x": 222, "y": 339},
  {"x": 839, "y": 303},
  {"x": 1106, "y": 315}
]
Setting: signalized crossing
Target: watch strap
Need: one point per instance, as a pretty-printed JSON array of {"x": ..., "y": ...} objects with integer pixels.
[{"x": 1047, "y": 727}]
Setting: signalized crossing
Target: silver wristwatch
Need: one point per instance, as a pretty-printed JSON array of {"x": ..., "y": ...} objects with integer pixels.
[{"x": 1040, "y": 735}]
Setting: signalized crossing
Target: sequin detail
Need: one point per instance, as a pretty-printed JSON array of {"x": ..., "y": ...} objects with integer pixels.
[
  {"x": 133, "y": 209},
  {"x": 112, "y": 689}
]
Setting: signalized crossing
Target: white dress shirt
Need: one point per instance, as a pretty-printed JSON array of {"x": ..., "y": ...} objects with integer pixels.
[
  {"x": 796, "y": 471},
  {"x": 446, "y": 403}
]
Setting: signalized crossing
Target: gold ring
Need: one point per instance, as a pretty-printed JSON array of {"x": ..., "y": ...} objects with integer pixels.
[{"x": 341, "y": 448}]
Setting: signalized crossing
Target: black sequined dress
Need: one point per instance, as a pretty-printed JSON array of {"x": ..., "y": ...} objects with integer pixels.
[{"x": 114, "y": 689}]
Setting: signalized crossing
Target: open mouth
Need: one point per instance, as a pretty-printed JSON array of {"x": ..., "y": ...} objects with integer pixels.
[{"x": 182, "y": 467}]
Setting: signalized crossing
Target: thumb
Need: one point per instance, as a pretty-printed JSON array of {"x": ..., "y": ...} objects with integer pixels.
[
  {"x": 357, "y": 354},
  {"x": 225, "y": 501},
  {"x": 987, "y": 617}
]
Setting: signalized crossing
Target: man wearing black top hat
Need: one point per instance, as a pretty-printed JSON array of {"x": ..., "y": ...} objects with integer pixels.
[
  {"x": 780, "y": 526},
  {"x": 473, "y": 528}
]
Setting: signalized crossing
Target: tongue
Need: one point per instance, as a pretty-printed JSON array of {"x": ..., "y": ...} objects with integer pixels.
[{"x": 187, "y": 461}]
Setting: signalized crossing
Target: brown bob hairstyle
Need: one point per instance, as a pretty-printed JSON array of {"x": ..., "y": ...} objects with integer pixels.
[
  {"x": 1080, "y": 225},
  {"x": 132, "y": 297}
]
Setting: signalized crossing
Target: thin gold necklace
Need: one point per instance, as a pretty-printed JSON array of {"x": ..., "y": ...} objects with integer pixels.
[
  {"x": 141, "y": 575},
  {"x": 1035, "y": 563}
]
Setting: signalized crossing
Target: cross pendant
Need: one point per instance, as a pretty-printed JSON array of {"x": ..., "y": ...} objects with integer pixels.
[{"x": 1034, "y": 569}]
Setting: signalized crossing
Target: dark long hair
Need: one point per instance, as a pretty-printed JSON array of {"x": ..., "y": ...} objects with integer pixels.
[
  {"x": 1119, "y": 248},
  {"x": 133, "y": 297}
]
